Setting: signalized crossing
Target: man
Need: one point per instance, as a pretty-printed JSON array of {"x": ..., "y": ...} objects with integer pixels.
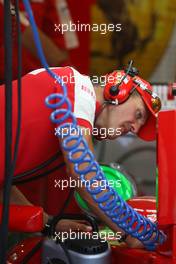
[
  {"x": 45, "y": 13},
  {"x": 125, "y": 104}
]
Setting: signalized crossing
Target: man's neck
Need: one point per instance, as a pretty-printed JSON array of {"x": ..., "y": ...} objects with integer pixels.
[
  {"x": 99, "y": 100},
  {"x": 99, "y": 94}
]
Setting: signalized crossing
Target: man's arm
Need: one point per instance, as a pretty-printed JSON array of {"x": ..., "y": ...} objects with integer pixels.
[
  {"x": 82, "y": 190},
  {"x": 18, "y": 198},
  {"x": 54, "y": 55},
  {"x": 132, "y": 242}
]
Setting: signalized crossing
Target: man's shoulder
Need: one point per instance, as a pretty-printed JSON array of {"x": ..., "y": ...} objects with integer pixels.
[
  {"x": 41, "y": 76},
  {"x": 55, "y": 70},
  {"x": 84, "y": 86},
  {"x": 68, "y": 75}
]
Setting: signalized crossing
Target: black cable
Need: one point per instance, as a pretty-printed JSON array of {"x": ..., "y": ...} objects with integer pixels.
[
  {"x": 19, "y": 55},
  {"x": 9, "y": 163},
  {"x": 8, "y": 130},
  {"x": 36, "y": 177},
  {"x": 127, "y": 72},
  {"x": 41, "y": 166},
  {"x": 32, "y": 252},
  {"x": 67, "y": 201}
]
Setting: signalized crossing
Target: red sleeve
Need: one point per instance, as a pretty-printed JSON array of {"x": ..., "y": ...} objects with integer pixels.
[
  {"x": 67, "y": 74},
  {"x": 84, "y": 123}
]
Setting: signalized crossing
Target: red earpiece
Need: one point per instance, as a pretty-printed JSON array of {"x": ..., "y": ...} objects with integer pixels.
[{"x": 118, "y": 87}]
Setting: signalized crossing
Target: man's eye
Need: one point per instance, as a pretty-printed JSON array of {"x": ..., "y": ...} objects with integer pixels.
[{"x": 139, "y": 115}]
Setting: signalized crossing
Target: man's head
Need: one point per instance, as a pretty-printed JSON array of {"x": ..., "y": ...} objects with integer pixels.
[{"x": 133, "y": 108}]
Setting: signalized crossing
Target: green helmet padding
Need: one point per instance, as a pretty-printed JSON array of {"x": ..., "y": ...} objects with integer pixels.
[{"x": 116, "y": 180}]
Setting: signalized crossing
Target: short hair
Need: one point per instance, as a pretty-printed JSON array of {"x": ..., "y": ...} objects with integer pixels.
[{"x": 135, "y": 93}]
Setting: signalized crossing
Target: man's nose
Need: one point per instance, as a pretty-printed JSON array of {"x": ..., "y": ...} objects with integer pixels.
[{"x": 135, "y": 127}]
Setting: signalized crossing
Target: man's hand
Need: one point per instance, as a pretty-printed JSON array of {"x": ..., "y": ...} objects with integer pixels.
[
  {"x": 133, "y": 242},
  {"x": 73, "y": 225},
  {"x": 54, "y": 58},
  {"x": 67, "y": 225}
]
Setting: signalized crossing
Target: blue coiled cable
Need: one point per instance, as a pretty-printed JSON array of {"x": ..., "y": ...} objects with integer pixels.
[{"x": 108, "y": 201}]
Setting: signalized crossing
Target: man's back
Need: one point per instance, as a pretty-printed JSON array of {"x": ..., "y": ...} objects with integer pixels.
[{"x": 38, "y": 142}]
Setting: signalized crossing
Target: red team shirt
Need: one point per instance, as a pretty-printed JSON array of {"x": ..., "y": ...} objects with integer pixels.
[{"x": 38, "y": 141}]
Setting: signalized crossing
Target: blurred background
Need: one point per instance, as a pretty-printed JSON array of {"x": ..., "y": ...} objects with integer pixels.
[{"x": 148, "y": 36}]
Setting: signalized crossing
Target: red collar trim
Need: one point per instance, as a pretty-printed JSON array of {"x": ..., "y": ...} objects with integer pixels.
[{"x": 98, "y": 108}]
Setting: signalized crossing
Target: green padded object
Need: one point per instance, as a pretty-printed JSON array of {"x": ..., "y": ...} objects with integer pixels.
[{"x": 116, "y": 180}]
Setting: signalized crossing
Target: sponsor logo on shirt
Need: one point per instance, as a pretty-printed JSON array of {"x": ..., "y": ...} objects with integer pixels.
[{"x": 88, "y": 91}]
